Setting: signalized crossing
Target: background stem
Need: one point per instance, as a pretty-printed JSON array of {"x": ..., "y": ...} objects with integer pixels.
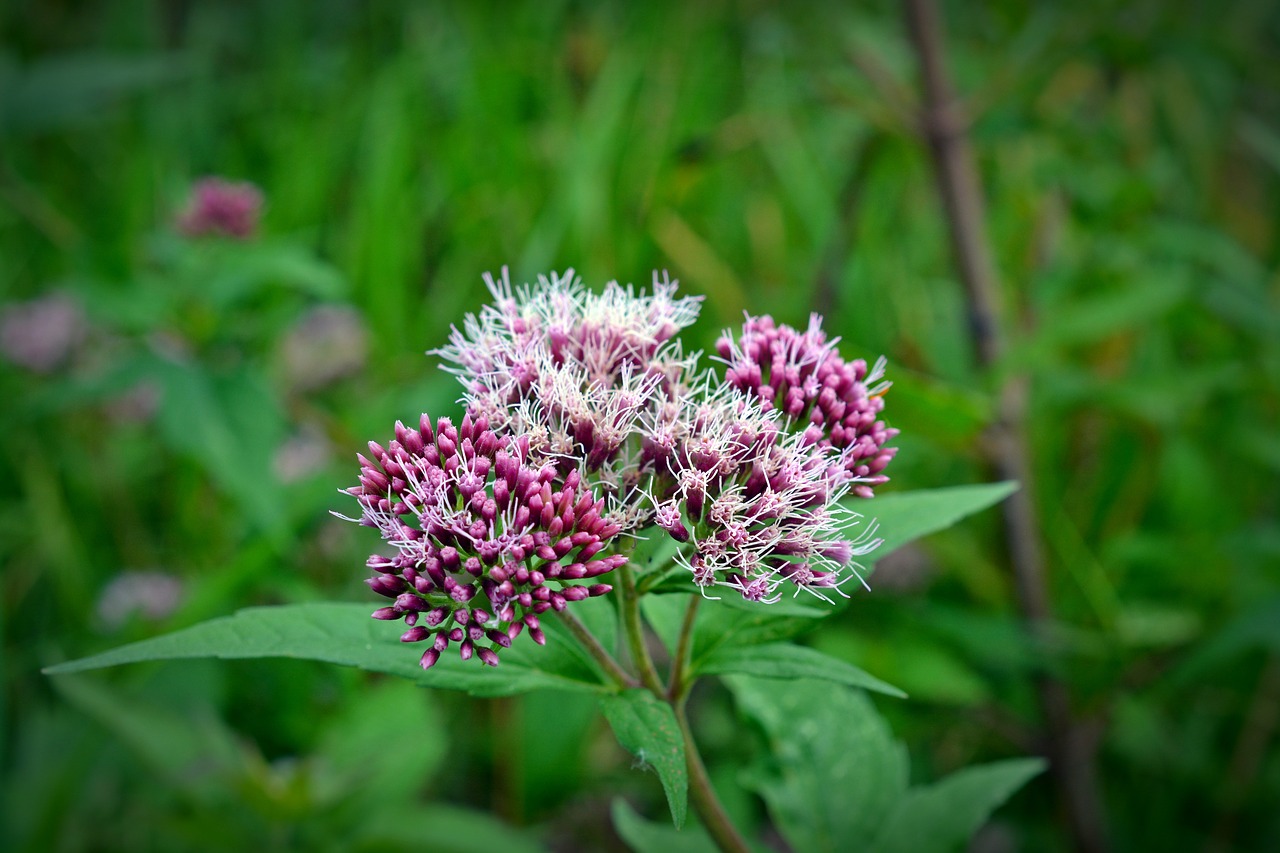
[{"x": 945, "y": 129}]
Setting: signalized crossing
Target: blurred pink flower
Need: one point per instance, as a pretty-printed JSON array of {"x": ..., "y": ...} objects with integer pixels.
[
  {"x": 221, "y": 207},
  {"x": 327, "y": 343},
  {"x": 41, "y": 334},
  {"x": 152, "y": 595},
  {"x": 303, "y": 454}
]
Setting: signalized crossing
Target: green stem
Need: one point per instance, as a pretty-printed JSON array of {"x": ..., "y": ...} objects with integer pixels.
[
  {"x": 676, "y": 688},
  {"x": 705, "y": 802},
  {"x": 612, "y": 668},
  {"x": 635, "y": 633}
]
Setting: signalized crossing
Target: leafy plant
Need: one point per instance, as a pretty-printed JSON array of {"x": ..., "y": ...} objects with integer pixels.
[{"x": 592, "y": 446}]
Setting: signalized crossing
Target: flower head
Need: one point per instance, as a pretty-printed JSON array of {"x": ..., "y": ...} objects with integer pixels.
[
  {"x": 484, "y": 541},
  {"x": 222, "y": 207},
  {"x": 579, "y": 372},
  {"x": 42, "y": 334},
  {"x": 759, "y": 505},
  {"x": 832, "y": 402}
]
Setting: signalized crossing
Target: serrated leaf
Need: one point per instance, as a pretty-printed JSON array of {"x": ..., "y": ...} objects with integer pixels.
[
  {"x": 644, "y": 836},
  {"x": 907, "y": 516},
  {"x": 344, "y": 634},
  {"x": 787, "y": 660},
  {"x": 647, "y": 728},
  {"x": 833, "y": 770},
  {"x": 943, "y": 816}
]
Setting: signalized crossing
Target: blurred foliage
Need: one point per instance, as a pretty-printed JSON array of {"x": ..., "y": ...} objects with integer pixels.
[{"x": 766, "y": 156}]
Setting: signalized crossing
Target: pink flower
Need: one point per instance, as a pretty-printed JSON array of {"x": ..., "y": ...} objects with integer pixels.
[
  {"x": 484, "y": 541},
  {"x": 833, "y": 402},
  {"x": 221, "y": 207},
  {"x": 42, "y": 334}
]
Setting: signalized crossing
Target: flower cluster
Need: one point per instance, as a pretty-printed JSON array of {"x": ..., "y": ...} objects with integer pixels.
[
  {"x": 484, "y": 542},
  {"x": 587, "y": 423},
  {"x": 800, "y": 374},
  {"x": 579, "y": 373}
]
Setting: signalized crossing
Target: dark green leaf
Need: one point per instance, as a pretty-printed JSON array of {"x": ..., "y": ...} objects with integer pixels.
[
  {"x": 643, "y": 836},
  {"x": 787, "y": 660},
  {"x": 193, "y": 752},
  {"x": 442, "y": 829},
  {"x": 344, "y": 633},
  {"x": 833, "y": 771},
  {"x": 646, "y": 726},
  {"x": 941, "y": 817},
  {"x": 355, "y": 761}
]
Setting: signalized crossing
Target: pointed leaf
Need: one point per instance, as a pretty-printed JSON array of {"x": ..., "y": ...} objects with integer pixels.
[
  {"x": 786, "y": 660},
  {"x": 943, "y": 816},
  {"x": 646, "y": 726},
  {"x": 907, "y": 516},
  {"x": 344, "y": 633}
]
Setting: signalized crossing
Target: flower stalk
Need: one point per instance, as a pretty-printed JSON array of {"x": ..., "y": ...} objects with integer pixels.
[
  {"x": 635, "y": 632},
  {"x": 705, "y": 802},
  {"x": 676, "y": 687},
  {"x": 619, "y": 676}
]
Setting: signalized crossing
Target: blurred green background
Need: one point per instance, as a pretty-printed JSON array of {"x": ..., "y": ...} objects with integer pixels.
[{"x": 178, "y": 412}]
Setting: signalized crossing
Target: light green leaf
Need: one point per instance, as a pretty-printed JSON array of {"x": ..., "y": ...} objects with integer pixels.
[
  {"x": 834, "y": 770},
  {"x": 644, "y": 836},
  {"x": 344, "y": 634},
  {"x": 941, "y": 817},
  {"x": 786, "y": 660},
  {"x": 646, "y": 727},
  {"x": 906, "y": 516}
]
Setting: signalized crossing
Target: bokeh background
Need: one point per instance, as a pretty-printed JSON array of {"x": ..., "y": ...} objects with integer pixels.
[{"x": 178, "y": 410}]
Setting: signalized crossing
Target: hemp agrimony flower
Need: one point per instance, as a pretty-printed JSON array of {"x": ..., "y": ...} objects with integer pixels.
[
  {"x": 477, "y": 534},
  {"x": 586, "y": 423}
]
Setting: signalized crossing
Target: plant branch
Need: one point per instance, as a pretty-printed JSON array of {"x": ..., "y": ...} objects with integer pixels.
[
  {"x": 955, "y": 169},
  {"x": 676, "y": 688},
  {"x": 705, "y": 802},
  {"x": 598, "y": 652},
  {"x": 635, "y": 632}
]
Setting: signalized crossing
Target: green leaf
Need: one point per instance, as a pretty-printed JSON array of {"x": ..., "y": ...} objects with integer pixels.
[
  {"x": 787, "y": 660},
  {"x": 354, "y": 759},
  {"x": 194, "y": 752},
  {"x": 906, "y": 516},
  {"x": 834, "y": 770},
  {"x": 729, "y": 623},
  {"x": 941, "y": 817},
  {"x": 441, "y": 829},
  {"x": 646, "y": 726},
  {"x": 344, "y": 634},
  {"x": 1256, "y": 628},
  {"x": 644, "y": 836}
]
